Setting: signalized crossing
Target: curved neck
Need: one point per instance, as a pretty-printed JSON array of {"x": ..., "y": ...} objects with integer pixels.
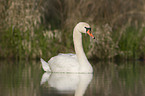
[
  {"x": 83, "y": 61},
  {"x": 77, "y": 38}
]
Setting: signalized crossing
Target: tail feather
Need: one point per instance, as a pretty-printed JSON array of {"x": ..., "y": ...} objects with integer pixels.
[{"x": 45, "y": 65}]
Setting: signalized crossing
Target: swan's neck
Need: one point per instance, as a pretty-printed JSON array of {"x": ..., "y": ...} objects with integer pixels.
[{"x": 83, "y": 61}]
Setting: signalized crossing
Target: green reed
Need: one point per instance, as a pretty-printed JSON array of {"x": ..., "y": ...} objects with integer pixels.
[
  {"x": 46, "y": 43},
  {"x": 35, "y": 32},
  {"x": 131, "y": 42}
]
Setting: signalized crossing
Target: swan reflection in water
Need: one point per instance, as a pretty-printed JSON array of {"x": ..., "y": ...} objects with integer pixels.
[{"x": 77, "y": 83}]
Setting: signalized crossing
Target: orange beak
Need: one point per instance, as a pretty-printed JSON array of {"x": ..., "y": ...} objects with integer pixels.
[{"x": 89, "y": 32}]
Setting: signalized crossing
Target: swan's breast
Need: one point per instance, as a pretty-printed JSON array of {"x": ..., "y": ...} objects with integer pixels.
[{"x": 64, "y": 63}]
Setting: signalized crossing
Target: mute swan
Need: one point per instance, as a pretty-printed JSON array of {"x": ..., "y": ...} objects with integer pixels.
[{"x": 72, "y": 63}]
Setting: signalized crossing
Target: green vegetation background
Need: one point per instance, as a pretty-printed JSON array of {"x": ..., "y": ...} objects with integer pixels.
[{"x": 31, "y": 29}]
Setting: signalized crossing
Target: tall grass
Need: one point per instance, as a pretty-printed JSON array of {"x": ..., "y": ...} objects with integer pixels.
[
  {"x": 34, "y": 29},
  {"x": 21, "y": 46},
  {"x": 131, "y": 42}
]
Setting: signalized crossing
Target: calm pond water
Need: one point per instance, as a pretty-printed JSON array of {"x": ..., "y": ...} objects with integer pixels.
[{"x": 26, "y": 78}]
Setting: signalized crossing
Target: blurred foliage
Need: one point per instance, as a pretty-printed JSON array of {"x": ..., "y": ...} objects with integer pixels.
[{"x": 34, "y": 29}]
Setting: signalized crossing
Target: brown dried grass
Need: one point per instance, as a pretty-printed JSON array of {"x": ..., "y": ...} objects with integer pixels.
[{"x": 105, "y": 17}]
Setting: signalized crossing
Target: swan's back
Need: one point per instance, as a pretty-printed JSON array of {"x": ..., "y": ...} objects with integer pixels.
[{"x": 64, "y": 63}]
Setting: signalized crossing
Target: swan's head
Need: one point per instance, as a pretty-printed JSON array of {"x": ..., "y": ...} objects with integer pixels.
[{"x": 84, "y": 28}]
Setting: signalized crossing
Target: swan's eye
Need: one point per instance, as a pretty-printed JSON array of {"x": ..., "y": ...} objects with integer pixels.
[{"x": 88, "y": 29}]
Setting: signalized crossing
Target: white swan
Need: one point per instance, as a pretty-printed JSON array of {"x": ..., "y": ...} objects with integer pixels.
[{"x": 70, "y": 62}]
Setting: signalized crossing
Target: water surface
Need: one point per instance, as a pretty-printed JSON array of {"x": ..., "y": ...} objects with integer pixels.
[{"x": 26, "y": 78}]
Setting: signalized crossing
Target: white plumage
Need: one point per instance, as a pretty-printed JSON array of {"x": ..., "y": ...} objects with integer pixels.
[
  {"x": 67, "y": 62},
  {"x": 73, "y": 63}
]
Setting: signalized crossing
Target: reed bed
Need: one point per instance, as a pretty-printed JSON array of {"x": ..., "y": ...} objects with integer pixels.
[{"x": 34, "y": 29}]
